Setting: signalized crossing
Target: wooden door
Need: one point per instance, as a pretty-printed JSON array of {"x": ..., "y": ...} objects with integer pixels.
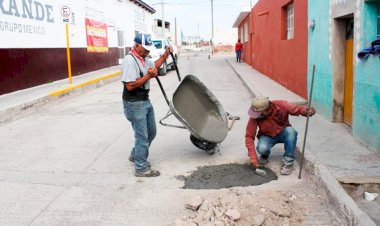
[{"x": 348, "y": 83}]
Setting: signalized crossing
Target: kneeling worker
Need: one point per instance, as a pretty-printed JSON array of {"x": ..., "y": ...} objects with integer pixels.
[{"x": 272, "y": 119}]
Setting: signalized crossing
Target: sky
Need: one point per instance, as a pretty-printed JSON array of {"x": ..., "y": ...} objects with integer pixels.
[{"x": 191, "y": 13}]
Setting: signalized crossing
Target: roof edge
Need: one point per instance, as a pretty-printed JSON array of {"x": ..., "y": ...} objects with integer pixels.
[
  {"x": 144, "y": 5},
  {"x": 240, "y": 18}
]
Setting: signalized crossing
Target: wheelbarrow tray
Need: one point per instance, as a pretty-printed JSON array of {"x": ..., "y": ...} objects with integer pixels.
[{"x": 199, "y": 111}]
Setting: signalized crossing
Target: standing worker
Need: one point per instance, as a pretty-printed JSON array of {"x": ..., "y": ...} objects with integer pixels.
[
  {"x": 238, "y": 50},
  {"x": 272, "y": 119},
  {"x": 137, "y": 71}
]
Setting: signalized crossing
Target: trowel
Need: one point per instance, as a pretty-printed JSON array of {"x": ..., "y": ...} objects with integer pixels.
[{"x": 261, "y": 172}]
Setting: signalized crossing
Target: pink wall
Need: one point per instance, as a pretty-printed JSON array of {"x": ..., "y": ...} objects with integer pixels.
[{"x": 285, "y": 61}]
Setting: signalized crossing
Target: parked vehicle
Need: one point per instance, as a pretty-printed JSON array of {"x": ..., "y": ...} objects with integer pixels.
[{"x": 160, "y": 45}]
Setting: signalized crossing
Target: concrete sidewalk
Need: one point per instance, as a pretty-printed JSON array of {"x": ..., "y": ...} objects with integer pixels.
[
  {"x": 330, "y": 147},
  {"x": 20, "y": 103}
]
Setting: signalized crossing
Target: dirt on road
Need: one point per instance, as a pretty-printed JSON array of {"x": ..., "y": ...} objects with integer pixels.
[{"x": 269, "y": 204}]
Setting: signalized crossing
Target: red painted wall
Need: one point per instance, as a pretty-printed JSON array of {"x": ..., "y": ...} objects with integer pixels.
[
  {"x": 246, "y": 55},
  {"x": 285, "y": 61}
]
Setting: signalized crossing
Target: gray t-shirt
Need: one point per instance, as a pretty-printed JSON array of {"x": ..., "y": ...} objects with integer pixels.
[{"x": 131, "y": 72}]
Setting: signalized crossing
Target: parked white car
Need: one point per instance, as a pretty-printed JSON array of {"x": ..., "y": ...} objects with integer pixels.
[{"x": 160, "y": 45}]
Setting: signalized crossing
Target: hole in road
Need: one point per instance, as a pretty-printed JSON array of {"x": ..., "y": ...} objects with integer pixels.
[{"x": 225, "y": 176}]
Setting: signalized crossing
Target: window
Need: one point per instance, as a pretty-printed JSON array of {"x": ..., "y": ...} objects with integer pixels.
[
  {"x": 157, "y": 44},
  {"x": 241, "y": 34},
  {"x": 290, "y": 21},
  {"x": 245, "y": 32}
]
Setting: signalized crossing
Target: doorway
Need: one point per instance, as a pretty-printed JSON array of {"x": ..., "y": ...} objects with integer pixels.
[
  {"x": 349, "y": 73},
  {"x": 343, "y": 68}
]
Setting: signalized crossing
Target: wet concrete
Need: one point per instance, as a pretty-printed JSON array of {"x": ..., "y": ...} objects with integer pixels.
[{"x": 225, "y": 176}]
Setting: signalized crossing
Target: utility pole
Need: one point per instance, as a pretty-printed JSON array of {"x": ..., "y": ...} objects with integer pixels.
[
  {"x": 212, "y": 27},
  {"x": 175, "y": 31},
  {"x": 198, "y": 30},
  {"x": 198, "y": 38},
  {"x": 162, "y": 19}
]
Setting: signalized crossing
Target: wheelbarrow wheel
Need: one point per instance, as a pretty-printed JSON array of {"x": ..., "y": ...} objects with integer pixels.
[{"x": 209, "y": 147}]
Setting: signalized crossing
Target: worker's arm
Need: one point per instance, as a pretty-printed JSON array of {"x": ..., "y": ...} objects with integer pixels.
[
  {"x": 152, "y": 73},
  {"x": 163, "y": 57},
  {"x": 294, "y": 109},
  {"x": 250, "y": 134}
]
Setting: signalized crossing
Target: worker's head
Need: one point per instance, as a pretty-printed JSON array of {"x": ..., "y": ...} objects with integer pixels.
[
  {"x": 260, "y": 107},
  {"x": 143, "y": 44}
]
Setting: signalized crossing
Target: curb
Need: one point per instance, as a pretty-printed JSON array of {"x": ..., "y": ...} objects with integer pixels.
[
  {"x": 253, "y": 95},
  {"x": 344, "y": 205},
  {"x": 22, "y": 110},
  {"x": 69, "y": 89}
]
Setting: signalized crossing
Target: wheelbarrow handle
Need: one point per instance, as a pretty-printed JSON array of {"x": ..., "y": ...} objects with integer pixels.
[
  {"x": 163, "y": 91},
  {"x": 175, "y": 65},
  {"x": 231, "y": 120},
  {"x": 160, "y": 84}
]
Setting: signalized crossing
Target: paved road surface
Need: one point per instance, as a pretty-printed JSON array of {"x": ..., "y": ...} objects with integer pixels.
[{"x": 67, "y": 164}]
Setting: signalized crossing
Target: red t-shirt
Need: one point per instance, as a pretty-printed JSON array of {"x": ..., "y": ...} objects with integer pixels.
[
  {"x": 238, "y": 46},
  {"x": 273, "y": 124}
]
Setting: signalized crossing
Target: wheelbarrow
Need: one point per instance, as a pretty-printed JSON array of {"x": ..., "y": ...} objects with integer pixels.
[{"x": 200, "y": 112}]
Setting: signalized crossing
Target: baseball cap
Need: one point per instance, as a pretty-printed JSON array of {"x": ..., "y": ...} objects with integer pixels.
[
  {"x": 259, "y": 104},
  {"x": 145, "y": 41}
]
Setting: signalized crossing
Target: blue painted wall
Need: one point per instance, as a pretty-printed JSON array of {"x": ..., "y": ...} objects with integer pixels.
[
  {"x": 366, "y": 115},
  {"x": 366, "y": 112},
  {"x": 318, "y": 54}
]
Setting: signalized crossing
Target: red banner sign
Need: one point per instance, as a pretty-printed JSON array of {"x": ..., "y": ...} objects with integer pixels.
[{"x": 97, "y": 40}]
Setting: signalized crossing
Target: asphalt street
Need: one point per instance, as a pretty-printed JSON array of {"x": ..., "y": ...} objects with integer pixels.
[{"x": 67, "y": 163}]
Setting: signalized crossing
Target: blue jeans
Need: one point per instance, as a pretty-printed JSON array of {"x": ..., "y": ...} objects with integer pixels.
[
  {"x": 238, "y": 55},
  {"x": 288, "y": 136},
  {"x": 141, "y": 116}
]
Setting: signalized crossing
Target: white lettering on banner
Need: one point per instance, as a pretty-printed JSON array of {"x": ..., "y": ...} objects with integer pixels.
[
  {"x": 36, "y": 11},
  {"x": 93, "y": 31}
]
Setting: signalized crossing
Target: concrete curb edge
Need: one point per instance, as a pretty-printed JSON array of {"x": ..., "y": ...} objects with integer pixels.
[{"x": 348, "y": 210}]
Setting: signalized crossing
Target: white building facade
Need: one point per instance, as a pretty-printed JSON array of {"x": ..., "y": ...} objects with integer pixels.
[{"x": 34, "y": 38}]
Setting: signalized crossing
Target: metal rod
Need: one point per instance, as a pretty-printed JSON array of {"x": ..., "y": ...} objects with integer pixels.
[
  {"x": 307, "y": 121},
  {"x": 170, "y": 125}
]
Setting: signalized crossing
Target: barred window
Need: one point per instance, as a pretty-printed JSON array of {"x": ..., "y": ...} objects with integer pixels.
[
  {"x": 290, "y": 22},
  {"x": 242, "y": 34},
  {"x": 246, "y": 32}
]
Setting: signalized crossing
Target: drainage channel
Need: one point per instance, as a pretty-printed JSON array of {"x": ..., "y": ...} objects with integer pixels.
[{"x": 225, "y": 176}]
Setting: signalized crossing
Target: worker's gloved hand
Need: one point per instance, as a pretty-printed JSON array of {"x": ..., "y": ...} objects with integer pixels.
[
  {"x": 254, "y": 163},
  {"x": 311, "y": 111}
]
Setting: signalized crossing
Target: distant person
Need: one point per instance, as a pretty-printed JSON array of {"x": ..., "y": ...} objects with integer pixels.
[
  {"x": 137, "y": 70},
  {"x": 238, "y": 50},
  {"x": 272, "y": 120}
]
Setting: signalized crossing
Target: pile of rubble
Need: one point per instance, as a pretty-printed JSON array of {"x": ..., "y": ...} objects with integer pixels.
[{"x": 236, "y": 208}]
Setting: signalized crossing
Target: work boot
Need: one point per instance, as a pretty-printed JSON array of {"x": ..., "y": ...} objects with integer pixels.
[
  {"x": 263, "y": 161},
  {"x": 148, "y": 173},
  {"x": 132, "y": 159},
  {"x": 286, "y": 169}
]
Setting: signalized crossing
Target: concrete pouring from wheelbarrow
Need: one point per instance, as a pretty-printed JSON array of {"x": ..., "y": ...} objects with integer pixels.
[{"x": 226, "y": 176}]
